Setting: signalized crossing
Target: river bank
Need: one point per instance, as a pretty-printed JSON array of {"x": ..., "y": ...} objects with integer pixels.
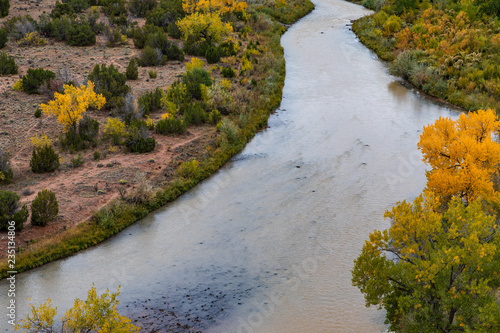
[
  {"x": 259, "y": 100},
  {"x": 447, "y": 51}
]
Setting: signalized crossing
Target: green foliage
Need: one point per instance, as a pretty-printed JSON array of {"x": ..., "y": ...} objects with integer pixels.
[
  {"x": 44, "y": 208},
  {"x": 97, "y": 155},
  {"x": 86, "y": 135},
  {"x": 7, "y": 64},
  {"x": 114, "y": 36},
  {"x": 132, "y": 72},
  {"x": 229, "y": 129},
  {"x": 152, "y": 74},
  {"x": 77, "y": 5},
  {"x": 61, "y": 9},
  {"x": 173, "y": 30},
  {"x": 9, "y": 211},
  {"x": 194, "y": 113},
  {"x": 178, "y": 94},
  {"x": 447, "y": 269},
  {"x": 6, "y": 173},
  {"x": 166, "y": 14},
  {"x": 163, "y": 48},
  {"x": 80, "y": 35},
  {"x": 212, "y": 55},
  {"x": 139, "y": 141},
  {"x": 140, "y": 8},
  {"x": 114, "y": 8},
  {"x": 38, "y": 113},
  {"x": 4, "y": 8},
  {"x": 214, "y": 117},
  {"x": 392, "y": 24},
  {"x": 373, "y": 4},
  {"x": 151, "y": 57},
  {"x": 193, "y": 80},
  {"x": 110, "y": 83},
  {"x": 189, "y": 169},
  {"x": 44, "y": 159},
  {"x": 227, "y": 49},
  {"x": 228, "y": 72},
  {"x": 171, "y": 125},
  {"x": 34, "y": 78},
  {"x": 3, "y": 38},
  {"x": 151, "y": 100},
  {"x": 402, "y": 6},
  {"x": 140, "y": 35}
]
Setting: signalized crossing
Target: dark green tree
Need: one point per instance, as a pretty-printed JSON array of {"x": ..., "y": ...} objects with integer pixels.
[{"x": 44, "y": 208}]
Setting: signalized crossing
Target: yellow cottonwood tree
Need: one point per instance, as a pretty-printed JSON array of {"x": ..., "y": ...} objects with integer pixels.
[
  {"x": 212, "y": 6},
  {"x": 204, "y": 27},
  {"x": 462, "y": 154},
  {"x": 70, "y": 106},
  {"x": 97, "y": 314}
]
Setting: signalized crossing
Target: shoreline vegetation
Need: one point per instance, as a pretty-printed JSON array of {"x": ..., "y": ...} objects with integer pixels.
[
  {"x": 446, "y": 49},
  {"x": 263, "y": 76}
]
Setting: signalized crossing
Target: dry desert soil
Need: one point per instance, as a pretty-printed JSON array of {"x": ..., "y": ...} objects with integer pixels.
[{"x": 83, "y": 190}]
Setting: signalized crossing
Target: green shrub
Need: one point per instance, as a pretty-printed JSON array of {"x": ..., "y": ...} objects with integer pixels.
[
  {"x": 193, "y": 80},
  {"x": 402, "y": 6},
  {"x": 9, "y": 211},
  {"x": 139, "y": 141},
  {"x": 140, "y": 35},
  {"x": 3, "y": 38},
  {"x": 61, "y": 9},
  {"x": 212, "y": 55},
  {"x": 44, "y": 159},
  {"x": 110, "y": 83},
  {"x": 80, "y": 35},
  {"x": 38, "y": 113},
  {"x": 173, "y": 30},
  {"x": 6, "y": 173},
  {"x": 171, "y": 126},
  {"x": 114, "y": 8},
  {"x": 114, "y": 36},
  {"x": 139, "y": 8},
  {"x": 166, "y": 13},
  {"x": 228, "y": 72},
  {"x": 214, "y": 117},
  {"x": 151, "y": 57},
  {"x": 44, "y": 208},
  {"x": 7, "y": 64},
  {"x": 227, "y": 49},
  {"x": 77, "y": 161},
  {"x": 178, "y": 94},
  {"x": 229, "y": 129},
  {"x": 77, "y": 5},
  {"x": 160, "y": 42},
  {"x": 153, "y": 74},
  {"x": 195, "y": 47},
  {"x": 57, "y": 28},
  {"x": 194, "y": 113},
  {"x": 132, "y": 72},
  {"x": 35, "y": 78},
  {"x": 4, "y": 8},
  {"x": 373, "y": 4},
  {"x": 404, "y": 64},
  {"x": 189, "y": 169},
  {"x": 85, "y": 137},
  {"x": 151, "y": 101}
]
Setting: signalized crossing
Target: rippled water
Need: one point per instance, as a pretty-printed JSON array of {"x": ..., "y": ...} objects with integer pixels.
[{"x": 267, "y": 243}]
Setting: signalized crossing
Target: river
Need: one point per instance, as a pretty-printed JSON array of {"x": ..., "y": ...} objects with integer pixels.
[{"x": 267, "y": 243}]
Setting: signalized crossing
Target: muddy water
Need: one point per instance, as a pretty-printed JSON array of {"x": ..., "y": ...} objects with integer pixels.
[{"x": 267, "y": 243}]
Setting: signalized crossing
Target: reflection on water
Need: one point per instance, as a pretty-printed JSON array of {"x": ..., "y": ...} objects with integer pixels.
[{"x": 268, "y": 242}]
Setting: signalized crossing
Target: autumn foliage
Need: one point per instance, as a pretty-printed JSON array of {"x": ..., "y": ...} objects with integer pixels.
[
  {"x": 70, "y": 106},
  {"x": 437, "y": 268},
  {"x": 462, "y": 155}
]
